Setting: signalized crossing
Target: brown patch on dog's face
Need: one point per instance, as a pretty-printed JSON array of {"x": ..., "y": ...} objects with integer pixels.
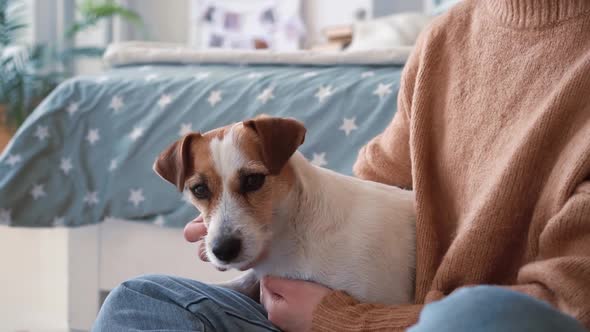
[
  {"x": 260, "y": 203},
  {"x": 203, "y": 173}
]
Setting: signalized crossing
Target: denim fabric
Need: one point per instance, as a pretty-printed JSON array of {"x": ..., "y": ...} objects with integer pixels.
[
  {"x": 164, "y": 303},
  {"x": 487, "y": 309}
]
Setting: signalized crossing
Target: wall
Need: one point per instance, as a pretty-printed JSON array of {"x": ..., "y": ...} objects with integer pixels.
[{"x": 169, "y": 20}]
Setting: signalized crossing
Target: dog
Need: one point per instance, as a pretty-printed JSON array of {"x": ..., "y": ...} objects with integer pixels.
[{"x": 269, "y": 211}]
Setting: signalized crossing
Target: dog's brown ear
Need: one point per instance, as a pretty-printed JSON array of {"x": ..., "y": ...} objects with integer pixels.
[
  {"x": 279, "y": 137},
  {"x": 175, "y": 162}
]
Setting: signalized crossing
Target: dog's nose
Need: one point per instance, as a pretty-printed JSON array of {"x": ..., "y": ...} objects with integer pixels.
[{"x": 227, "y": 249}]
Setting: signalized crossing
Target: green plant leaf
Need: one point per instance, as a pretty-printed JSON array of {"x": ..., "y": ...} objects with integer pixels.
[
  {"x": 93, "y": 12},
  {"x": 11, "y": 21}
]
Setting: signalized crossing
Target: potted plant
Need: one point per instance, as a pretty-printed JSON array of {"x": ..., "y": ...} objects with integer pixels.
[
  {"x": 92, "y": 12},
  {"x": 25, "y": 77},
  {"x": 28, "y": 72}
]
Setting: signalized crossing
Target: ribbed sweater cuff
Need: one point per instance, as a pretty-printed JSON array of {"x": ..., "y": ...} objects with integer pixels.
[
  {"x": 534, "y": 290},
  {"x": 340, "y": 312}
]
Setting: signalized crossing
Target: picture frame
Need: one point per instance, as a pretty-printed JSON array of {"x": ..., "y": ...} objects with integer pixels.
[{"x": 255, "y": 24}]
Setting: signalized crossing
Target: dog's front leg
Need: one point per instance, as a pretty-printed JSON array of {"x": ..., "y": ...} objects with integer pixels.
[{"x": 247, "y": 284}]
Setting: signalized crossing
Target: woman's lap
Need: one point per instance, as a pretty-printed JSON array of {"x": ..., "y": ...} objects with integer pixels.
[{"x": 165, "y": 303}]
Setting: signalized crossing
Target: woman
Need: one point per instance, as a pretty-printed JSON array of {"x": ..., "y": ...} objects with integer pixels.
[{"x": 493, "y": 135}]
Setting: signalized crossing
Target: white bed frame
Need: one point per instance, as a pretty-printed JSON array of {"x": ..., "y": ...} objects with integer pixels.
[{"x": 54, "y": 279}]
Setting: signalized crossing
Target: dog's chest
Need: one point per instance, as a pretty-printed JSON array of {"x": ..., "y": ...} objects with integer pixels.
[
  {"x": 289, "y": 260},
  {"x": 335, "y": 269}
]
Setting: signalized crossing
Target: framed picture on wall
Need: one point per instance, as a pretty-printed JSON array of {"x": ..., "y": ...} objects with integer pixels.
[{"x": 253, "y": 24}]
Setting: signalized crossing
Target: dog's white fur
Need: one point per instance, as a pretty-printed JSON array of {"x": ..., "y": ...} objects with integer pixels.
[
  {"x": 342, "y": 232},
  {"x": 230, "y": 216}
]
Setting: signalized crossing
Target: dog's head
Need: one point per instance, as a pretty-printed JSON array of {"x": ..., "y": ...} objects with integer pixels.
[{"x": 235, "y": 175}]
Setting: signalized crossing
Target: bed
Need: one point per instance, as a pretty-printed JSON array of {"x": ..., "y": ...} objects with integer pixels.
[{"x": 76, "y": 180}]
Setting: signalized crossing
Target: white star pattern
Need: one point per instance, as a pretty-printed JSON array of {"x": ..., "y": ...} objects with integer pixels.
[
  {"x": 266, "y": 95},
  {"x": 383, "y": 90},
  {"x": 38, "y": 191},
  {"x": 72, "y": 108},
  {"x": 319, "y": 159},
  {"x": 185, "y": 129},
  {"x": 348, "y": 125},
  {"x": 66, "y": 165},
  {"x": 136, "y": 197},
  {"x": 214, "y": 97},
  {"x": 113, "y": 166},
  {"x": 323, "y": 93},
  {"x": 5, "y": 217},
  {"x": 13, "y": 159},
  {"x": 136, "y": 133},
  {"x": 42, "y": 132},
  {"x": 93, "y": 136},
  {"x": 202, "y": 76},
  {"x": 59, "y": 221},
  {"x": 366, "y": 74},
  {"x": 159, "y": 221},
  {"x": 91, "y": 198},
  {"x": 151, "y": 77},
  {"x": 310, "y": 74},
  {"x": 164, "y": 101},
  {"x": 116, "y": 104},
  {"x": 253, "y": 76}
]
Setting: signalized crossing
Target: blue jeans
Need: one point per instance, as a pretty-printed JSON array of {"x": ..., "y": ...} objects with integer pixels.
[{"x": 164, "y": 303}]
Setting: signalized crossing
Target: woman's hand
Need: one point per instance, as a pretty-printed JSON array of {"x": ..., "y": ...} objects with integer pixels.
[
  {"x": 290, "y": 303},
  {"x": 195, "y": 231}
]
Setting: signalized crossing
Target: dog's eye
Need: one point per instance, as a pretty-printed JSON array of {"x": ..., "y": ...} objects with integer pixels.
[
  {"x": 252, "y": 182},
  {"x": 201, "y": 191}
]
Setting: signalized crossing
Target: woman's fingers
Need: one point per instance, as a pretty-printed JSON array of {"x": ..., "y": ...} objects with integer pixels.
[{"x": 195, "y": 230}]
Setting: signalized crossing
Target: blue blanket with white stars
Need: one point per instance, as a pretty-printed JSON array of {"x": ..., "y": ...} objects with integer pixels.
[{"x": 86, "y": 153}]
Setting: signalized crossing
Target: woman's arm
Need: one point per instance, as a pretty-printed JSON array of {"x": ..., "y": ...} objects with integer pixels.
[{"x": 559, "y": 276}]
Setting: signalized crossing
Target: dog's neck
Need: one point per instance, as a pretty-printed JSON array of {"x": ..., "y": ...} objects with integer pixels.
[
  {"x": 312, "y": 216},
  {"x": 309, "y": 208}
]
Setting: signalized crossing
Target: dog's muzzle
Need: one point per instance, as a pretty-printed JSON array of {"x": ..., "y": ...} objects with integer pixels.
[{"x": 227, "y": 248}]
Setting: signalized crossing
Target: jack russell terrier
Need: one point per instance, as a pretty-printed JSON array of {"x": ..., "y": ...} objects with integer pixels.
[{"x": 268, "y": 210}]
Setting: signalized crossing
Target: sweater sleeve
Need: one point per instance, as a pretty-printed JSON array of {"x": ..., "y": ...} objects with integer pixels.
[
  {"x": 340, "y": 312},
  {"x": 386, "y": 158},
  {"x": 561, "y": 272},
  {"x": 559, "y": 276}
]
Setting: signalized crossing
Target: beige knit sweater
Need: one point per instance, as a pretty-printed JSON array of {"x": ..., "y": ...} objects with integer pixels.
[{"x": 493, "y": 134}]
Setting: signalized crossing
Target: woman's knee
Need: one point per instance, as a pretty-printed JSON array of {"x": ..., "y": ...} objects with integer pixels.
[
  {"x": 130, "y": 292},
  {"x": 152, "y": 302},
  {"x": 489, "y": 308},
  {"x": 148, "y": 283}
]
